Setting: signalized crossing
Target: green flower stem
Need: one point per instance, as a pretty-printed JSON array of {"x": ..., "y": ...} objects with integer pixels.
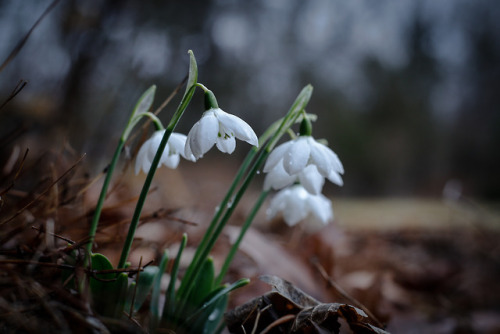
[
  {"x": 155, "y": 119},
  {"x": 244, "y": 228},
  {"x": 275, "y": 132},
  {"x": 188, "y": 281},
  {"x": 141, "y": 107},
  {"x": 149, "y": 178},
  {"x": 197, "y": 259},
  {"x": 102, "y": 197},
  {"x": 155, "y": 293},
  {"x": 188, "y": 95},
  {"x": 169, "y": 304}
]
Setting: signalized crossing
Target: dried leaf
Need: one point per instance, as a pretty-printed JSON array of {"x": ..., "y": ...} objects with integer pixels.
[{"x": 273, "y": 312}]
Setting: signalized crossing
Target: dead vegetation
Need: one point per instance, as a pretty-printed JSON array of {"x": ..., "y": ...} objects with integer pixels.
[{"x": 442, "y": 281}]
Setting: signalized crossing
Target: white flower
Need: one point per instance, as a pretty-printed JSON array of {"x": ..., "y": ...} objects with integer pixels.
[
  {"x": 277, "y": 178},
  {"x": 220, "y": 128},
  {"x": 297, "y": 204},
  {"x": 170, "y": 156},
  {"x": 305, "y": 160}
]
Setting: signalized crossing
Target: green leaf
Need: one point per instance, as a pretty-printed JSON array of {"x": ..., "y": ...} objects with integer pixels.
[
  {"x": 203, "y": 284},
  {"x": 211, "y": 318},
  {"x": 155, "y": 294},
  {"x": 145, "y": 101},
  {"x": 292, "y": 115},
  {"x": 141, "y": 107},
  {"x": 144, "y": 285},
  {"x": 193, "y": 72},
  {"x": 170, "y": 298},
  {"x": 191, "y": 87},
  {"x": 108, "y": 290},
  {"x": 218, "y": 293}
]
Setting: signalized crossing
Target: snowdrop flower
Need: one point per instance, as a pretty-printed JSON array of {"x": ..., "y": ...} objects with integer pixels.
[
  {"x": 305, "y": 160},
  {"x": 170, "y": 156},
  {"x": 219, "y": 128},
  {"x": 296, "y": 204},
  {"x": 310, "y": 178}
]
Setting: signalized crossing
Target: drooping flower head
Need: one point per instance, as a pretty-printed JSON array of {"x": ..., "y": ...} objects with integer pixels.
[
  {"x": 219, "y": 128},
  {"x": 296, "y": 204},
  {"x": 169, "y": 158},
  {"x": 305, "y": 160}
]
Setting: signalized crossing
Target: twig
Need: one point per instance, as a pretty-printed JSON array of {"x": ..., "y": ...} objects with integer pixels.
[
  {"x": 21, "y": 43},
  {"x": 135, "y": 291},
  {"x": 283, "y": 320},
  {"x": 19, "y": 87},
  {"x": 54, "y": 235},
  {"x": 6, "y": 190},
  {"x": 171, "y": 96},
  {"x": 43, "y": 193}
]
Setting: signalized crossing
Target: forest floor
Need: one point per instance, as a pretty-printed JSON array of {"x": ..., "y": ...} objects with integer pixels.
[{"x": 418, "y": 265}]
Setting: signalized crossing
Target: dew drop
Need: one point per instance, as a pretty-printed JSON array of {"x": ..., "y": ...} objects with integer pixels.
[{"x": 213, "y": 316}]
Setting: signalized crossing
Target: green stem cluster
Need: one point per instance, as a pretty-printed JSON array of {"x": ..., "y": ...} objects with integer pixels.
[
  {"x": 141, "y": 110},
  {"x": 246, "y": 173},
  {"x": 200, "y": 263},
  {"x": 191, "y": 87}
]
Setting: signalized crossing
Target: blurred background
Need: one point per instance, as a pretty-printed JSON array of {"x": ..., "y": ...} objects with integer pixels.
[{"x": 407, "y": 92}]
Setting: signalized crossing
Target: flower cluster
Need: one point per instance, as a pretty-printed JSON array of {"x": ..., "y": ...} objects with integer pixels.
[
  {"x": 306, "y": 163},
  {"x": 215, "y": 127},
  {"x": 298, "y": 168}
]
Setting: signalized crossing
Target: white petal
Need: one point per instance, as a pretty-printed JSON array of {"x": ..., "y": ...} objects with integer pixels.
[
  {"x": 176, "y": 142},
  {"x": 226, "y": 145},
  {"x": 203, "y": 134},
  {"x": 276, "y": 155},
  {"x": 187, "y": 147},
  {"x": 277, "y": 204},
  {"x": 147, "y": 152},
  {"x": 314, "y": 224},
  {"x": 296, "y": 157},
  {"x": 311, "y": 179},
  {"x": 154, "y": 143},
  {"x": 332, "y": 159},
  {"x": 140, "y": 162},
  {"x": 296, "y": 209},
  {"x": 171, "y": 161},
  {"x": 277, "y": 178},
  {"x": 320, "y": 158},
  {"x": 320, "y": 213},
  {"x": 335, "y": 177},
  {"x": 321, "y": 207},
  {"x": 238, "y": 127}
]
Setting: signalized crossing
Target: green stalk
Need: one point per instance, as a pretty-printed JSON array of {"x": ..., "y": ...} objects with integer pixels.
[
  {"x": 244, "y": 228},
  {"x": 275, "y": 132},
  {"x": 188, "y": 95},
  {"x": 149, "y": 178},
  {"x": 141, "y": 107},
  {"x": 102, "y": 196},
  {"x": 169, "y": 304},
  {"x": 222, "y": 207},
  {"x": 155, "y": 293}
]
